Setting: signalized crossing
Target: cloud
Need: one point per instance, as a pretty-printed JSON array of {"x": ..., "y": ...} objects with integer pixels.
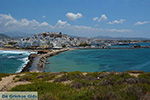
[
  {"x": 117, "y": 21},
  {"x": 43, "y": 16},
  {"x": 44, "y": 24},
  {"x": 73, "y": 16},
  {"x": 142, "y": 22},
  {"x": 103, "y": 17},
  {"x": 10, "y": 24},
  {"x": 95, "y": 18},
  {"x": 119, "y": 30},
  {"x": 61, "y": 23}
]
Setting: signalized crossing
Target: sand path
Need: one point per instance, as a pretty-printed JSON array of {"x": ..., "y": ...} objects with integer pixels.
[
  {"x": 5, "y": 82},
  {"x": 8, "y": 82}
]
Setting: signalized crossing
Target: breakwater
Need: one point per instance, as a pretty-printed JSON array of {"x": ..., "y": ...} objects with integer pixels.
[{"x": 37, "y": 61}]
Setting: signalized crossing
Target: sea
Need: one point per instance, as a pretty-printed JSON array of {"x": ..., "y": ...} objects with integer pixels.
[
  {"x": 13, "y": 61},
  {"x": 84, "y": 60},
  {"x": 99, "y": 60}
]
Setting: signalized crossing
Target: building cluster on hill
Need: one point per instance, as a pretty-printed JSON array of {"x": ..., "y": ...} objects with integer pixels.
[
  {"x": 47, "y": 40},
  {"x": 51, "y": 40},
  {"x": 7, "y": 42}
]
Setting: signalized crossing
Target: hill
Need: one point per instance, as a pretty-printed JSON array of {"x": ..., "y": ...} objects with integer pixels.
[
  {"x": 51, "y": 40},
  {"x": 81, "y": 85}
]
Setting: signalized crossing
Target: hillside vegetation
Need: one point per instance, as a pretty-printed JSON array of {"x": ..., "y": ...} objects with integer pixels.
[{"x": 86, "y": 86}]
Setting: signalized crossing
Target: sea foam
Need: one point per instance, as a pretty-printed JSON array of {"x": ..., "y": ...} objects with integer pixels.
[{"x": 24, "y": 59}]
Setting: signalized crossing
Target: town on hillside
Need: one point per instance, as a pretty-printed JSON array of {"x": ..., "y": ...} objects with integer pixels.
[{"x": 56, "y": 40}]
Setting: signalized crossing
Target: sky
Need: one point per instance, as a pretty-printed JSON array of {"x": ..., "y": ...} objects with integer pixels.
[{"x": 86, "y": 18}]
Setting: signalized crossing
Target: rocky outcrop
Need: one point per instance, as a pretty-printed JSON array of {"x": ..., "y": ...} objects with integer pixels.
[
  {"x": 43, "y": 57},
  {"x": 29, "y": 64}
]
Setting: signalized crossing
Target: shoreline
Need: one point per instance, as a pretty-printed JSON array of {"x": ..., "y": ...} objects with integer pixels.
[
  {"x": 25, "y": 60},
  {"x": 17, "y": 49},
  {"x": 37, "y": 61}
]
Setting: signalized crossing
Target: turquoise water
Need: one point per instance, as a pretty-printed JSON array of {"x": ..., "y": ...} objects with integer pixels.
[
  {"x": 12, "y": 61},
  {"x": 97, "y": 60}
]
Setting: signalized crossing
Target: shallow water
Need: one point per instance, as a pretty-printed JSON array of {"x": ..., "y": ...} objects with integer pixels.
[{"x": 95, "y": 60}]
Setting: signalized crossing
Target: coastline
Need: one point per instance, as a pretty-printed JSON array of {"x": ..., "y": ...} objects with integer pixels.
[
  {"x": 20, "y": 51},
  {"x": 23, "y": 59},
  {"x": 37, "y": 61}
]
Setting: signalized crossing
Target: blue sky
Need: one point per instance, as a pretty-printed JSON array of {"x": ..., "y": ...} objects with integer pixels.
[{"x": 116, "y": 18}]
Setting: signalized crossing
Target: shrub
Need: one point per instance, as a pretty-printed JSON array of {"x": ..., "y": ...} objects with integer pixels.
[
  {"x": 145, "y": 76},
  {"x": 33, "y": 77},
  {"x": 54, "y": 91},
  {"x": 3, "y": 75},
  {"x": 92, "y": 86},
  {"x": 70, "y": 76}
]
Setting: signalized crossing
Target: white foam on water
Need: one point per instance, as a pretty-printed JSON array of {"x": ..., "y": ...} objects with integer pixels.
[
  {"x": 14, "y": 52},
  {"x": 11, "y": 57},
  {"x": 25, "y": 60}
]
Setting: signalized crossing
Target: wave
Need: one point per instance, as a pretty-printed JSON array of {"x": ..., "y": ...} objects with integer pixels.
[
  {"x": 11, "y": 57},
  {"x": 23, "y": 57},
  {"x": 25, "y": 61},
  {"x": 15, "y": 52}
]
